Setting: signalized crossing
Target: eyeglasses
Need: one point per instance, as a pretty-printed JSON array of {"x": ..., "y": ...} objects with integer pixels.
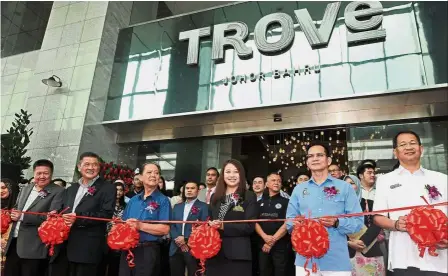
[
  {"x": 335, "y": 170},
  {"x": 317, "y": 155},
  {"x": 410, "y": 144}
]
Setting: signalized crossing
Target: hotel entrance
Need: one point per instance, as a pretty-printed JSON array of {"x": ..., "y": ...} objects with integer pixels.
[{"x": 283, "y": 151}]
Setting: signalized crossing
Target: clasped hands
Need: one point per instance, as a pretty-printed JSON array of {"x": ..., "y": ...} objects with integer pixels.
[
  {"x": 269, "y": 240},
  {"x": 180, "y": 241}
]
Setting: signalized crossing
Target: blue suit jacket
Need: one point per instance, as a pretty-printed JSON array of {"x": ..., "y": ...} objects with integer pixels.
[{"x": 178, "y": 214}]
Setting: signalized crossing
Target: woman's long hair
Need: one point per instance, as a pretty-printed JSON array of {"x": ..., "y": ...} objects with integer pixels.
[
  {"x": 13, "y": 188},
  {"x": 121, "y": 200},
  {"x": 163, "y": 190},
  {"x": 221, "y": 186}
]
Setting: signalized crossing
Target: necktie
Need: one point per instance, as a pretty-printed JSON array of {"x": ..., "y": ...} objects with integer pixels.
[{"x": 209, "y": 192}]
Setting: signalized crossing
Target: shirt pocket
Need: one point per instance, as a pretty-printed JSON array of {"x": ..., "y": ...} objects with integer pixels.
[{"x": 336, "y": 205}]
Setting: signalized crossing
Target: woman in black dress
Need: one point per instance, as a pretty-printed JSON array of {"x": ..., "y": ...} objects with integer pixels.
[{"x": 232, "y": 201}]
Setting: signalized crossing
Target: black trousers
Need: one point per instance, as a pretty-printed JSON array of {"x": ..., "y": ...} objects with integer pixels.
[
  {"x": 412, "y": 271},
  {"x": 79, "y": 269},
  {"x": 275, "y": 263},
  {"x": 255, "y": 248},
  {"x": 146, "y": 260},
  {"x": 16, "y": 266},
  {"x": 165, "y": 258},
  {"x": 181, "y": 259}
]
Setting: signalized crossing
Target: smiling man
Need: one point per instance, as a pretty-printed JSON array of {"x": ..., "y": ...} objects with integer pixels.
[
  {"x": 26, "y": 255},
  {"x": 93, "y": 197},
  {"x": 314, "y": 197},
  {"x": 404, "y": 187}
]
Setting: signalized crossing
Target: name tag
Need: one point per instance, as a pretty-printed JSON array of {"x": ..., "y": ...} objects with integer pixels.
[{"x": 395, "y": 186}]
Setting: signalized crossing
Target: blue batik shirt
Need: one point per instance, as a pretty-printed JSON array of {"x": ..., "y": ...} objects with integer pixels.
[
  {"x": 138, "y": 208},
  {"x": 310, "y": 198}
]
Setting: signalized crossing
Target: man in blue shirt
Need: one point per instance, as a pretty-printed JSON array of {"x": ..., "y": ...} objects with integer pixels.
[
  {"x": 150, "y": 204},
  {"x": 324, "y": 196}
]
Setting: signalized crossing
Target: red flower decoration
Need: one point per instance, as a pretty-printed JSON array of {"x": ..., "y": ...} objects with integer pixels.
[
  {"x": 204, "y": 243},
  {"x": 433, "y": 192},
  {"x": 53, "y": 231},
  {"x": 310, "y": 239},
  {"x": 427, "y": 226},
  {"x": 331, "y": 191},
  {"x": 152, "y": 206},
  {"x": 91, "y": 190},
  {"x": 195, "y": 210},
  {"x": 5, "y": 221},
  {"x": 122, "y": 236}
]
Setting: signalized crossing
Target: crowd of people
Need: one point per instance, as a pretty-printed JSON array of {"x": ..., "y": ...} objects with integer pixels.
[{"x": 361, "y": 245}]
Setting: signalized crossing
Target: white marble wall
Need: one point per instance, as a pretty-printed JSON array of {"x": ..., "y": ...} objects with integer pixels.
[{"x": 69, "y": 50}]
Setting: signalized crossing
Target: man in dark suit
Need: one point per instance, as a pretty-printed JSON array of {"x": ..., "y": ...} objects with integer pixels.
[
  {"x": 26, "y": 255},
  {"x": 191, "y": 209},
  {"x": 93, "y": 197}
]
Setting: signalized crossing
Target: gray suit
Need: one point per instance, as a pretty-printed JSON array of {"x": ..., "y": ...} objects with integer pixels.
[
  {"x": 202, "y": 196},
  {"x": 29, "y": 245}
]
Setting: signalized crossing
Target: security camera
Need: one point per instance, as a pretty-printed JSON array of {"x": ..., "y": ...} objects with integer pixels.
[{"x": 277, "y": 117}]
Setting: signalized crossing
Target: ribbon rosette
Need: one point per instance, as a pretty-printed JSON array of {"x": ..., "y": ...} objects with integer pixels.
[
  {"x": 427, "y": 226},
  {"x": 152, "y": 206},
  {"x": 122, "y": 236},
  {"x": 204, "y": 243},
  {"x": 91, "y": 190},
  {"x": 195, "y": 210},
  {"x": 310, "y": 239},
  {"x": 53, "y": 231},
  {"x": 331, "y": 191},
  {"x": 6, "y": 221}
]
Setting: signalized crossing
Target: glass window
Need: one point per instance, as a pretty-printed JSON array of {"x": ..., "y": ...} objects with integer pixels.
[{"x": 23, "y": 26}]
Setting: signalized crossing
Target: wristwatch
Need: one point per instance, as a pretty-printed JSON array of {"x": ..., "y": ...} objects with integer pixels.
[{"x": 336, "y": 223}]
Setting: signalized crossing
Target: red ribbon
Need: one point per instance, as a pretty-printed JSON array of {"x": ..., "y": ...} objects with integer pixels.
[
  {"x": 309, "y": 239},
  {"x": 427, "y": 227},
  {"x": 5, "y": 221},
  {"x": 123, "y": 236},
  {"x": 204, "y": 243},
  {"x": 53, "y": 231}
]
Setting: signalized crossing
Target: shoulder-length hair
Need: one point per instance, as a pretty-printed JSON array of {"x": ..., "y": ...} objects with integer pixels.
[
  {"x": 221, "y": 186},
  {"x": 118, "y": 183}
]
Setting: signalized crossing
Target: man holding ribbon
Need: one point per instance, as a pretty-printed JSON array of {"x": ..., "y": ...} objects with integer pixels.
[
  {"x": 150, "y": 204},
  {"x": 26, "y": 255},
  {"x": 404, "y": 187},
  {"x": 92, "y": 197},
  {"x": 324, "y": 196}
]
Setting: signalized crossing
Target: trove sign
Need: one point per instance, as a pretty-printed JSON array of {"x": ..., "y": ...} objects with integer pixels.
[{"x": 363, "y": 20}]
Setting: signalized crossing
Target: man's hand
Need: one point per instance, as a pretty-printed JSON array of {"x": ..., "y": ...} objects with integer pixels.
[
  {"x": 358, "y": 245},
  {"x": 443, "y": 244},
  {"x": 180, "y": 241},
  {"x": 133, "y": 223},
  {"x": 51, "y": 213},
  {"x": 15, "y": 215},
  {"x": 184, "y": 248},
  {"x": 69, "y": 219},
  {"x": 266, "y": 248},
  {"x": 400, "y": 225},
  {"x": 268, "y": 239},
  {"x": 328, "y": 222}
]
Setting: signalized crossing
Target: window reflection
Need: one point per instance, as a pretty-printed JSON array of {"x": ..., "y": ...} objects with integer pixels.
[{"x": 145, "y": 85}]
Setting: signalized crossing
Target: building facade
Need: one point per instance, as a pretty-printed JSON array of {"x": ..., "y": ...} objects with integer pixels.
[{"x": 249, "y": 80}]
